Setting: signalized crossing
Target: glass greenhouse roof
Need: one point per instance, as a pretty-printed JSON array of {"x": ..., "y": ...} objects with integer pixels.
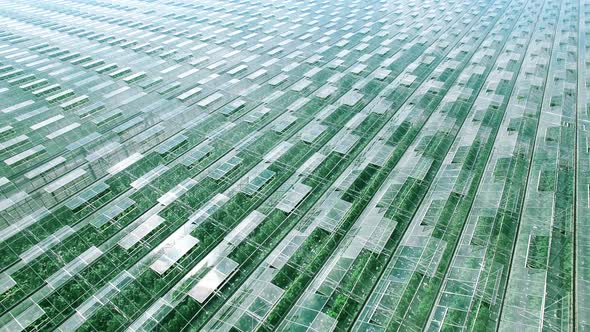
[{"x": 294, "y": 165}]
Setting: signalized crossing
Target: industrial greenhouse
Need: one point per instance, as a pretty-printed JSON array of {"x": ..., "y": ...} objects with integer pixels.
[{"x": 294, "y": 165}]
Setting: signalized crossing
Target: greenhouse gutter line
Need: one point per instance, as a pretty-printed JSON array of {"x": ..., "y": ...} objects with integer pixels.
[
  {"x": 579, "y": 108},
  {"x": 526, "y": 187}
]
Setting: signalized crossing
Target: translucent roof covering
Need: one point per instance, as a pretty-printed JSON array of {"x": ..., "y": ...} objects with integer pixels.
[{"x": 258, "y": 165}]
